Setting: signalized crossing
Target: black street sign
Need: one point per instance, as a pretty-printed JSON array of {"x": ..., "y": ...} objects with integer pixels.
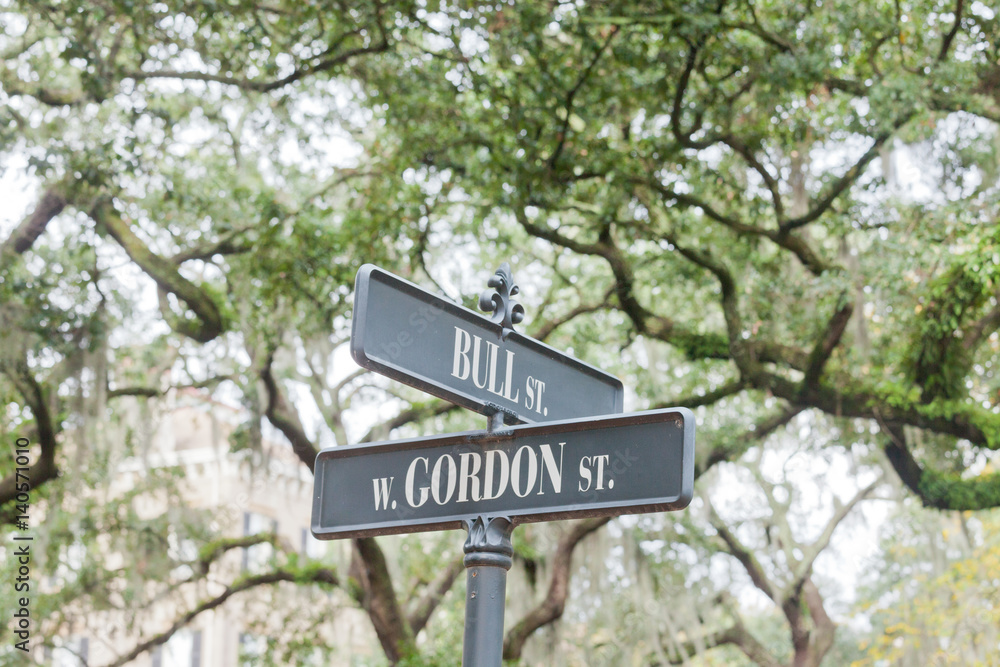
[
  {"x": 598, "y": 466},
  {"x": 445, "y": 349}
]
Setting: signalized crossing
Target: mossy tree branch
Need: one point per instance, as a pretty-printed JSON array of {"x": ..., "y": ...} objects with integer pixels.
[
  {"x": 51, "y": 204},
  {"x": 939, "y": 490},
  {"x": 289, "y": 574},
  {"x": 553, "y": 604},
  {"x": 44, "y": 468},
  {"x": 207, "y": 323}
]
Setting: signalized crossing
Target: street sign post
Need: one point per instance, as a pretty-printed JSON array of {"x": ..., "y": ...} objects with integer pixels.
[
  {"x": 598, "y": 466},
  {"x": 447, "y": 350},
  {"x": 571, "y": 457}
]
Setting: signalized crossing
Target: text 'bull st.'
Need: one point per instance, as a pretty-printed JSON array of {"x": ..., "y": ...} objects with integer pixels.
[
  {"x": 445, "y": 349},
  {"x": 641, "y": 462}
]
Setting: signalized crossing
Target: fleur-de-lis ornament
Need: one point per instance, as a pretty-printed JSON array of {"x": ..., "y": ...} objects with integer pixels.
[{"x": 499, "y": 301}]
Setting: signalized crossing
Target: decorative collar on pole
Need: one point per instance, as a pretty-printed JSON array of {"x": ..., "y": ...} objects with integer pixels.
[
  {"x": 488, "y": 543},
  {"x": 506, "y": 311}
]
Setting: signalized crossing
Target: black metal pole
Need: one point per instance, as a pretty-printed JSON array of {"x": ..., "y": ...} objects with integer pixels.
[
  {"x": 488, "y": 549},
  {"x": 488, "y": 555}
]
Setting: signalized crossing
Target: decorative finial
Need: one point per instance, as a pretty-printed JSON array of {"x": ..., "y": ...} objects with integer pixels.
[{"x": 506, "y": 311}]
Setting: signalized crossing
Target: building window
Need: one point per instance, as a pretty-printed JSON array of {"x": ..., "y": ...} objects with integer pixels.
[
  {"x": 183, "y": 649},
  {"x": 196, "y": 649},
  {"x": 310, "y": 546}
]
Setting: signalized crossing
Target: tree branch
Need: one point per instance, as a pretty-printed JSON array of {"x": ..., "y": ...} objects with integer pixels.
[
  {"x": 770, "y": 181},
  {"x": 950, "y": 37},
  {"x": 264, "y": 86},
  {"x": 761, "y": 430},
  {"x": 740, "y": 351},
  {"x": 803, "y": 569},
  {"x": 44, "y": 468},
  {"x": 377, "y": 597},
  {"x": 708, "y": 398},
  {"x": 744, "y": 556},
  {"x": 422, "y": 607},
  {"x": 47, "y": 95},
  {"x": 982, "y": 328},
  {"x": 284, "y": 418},
  {"x": 694, "y": 345},
  {"x": 841, "y": 184},
  {"x": 572, "y": 94},
  {"x": 211, "y": 552},
  {"x": 24, "y": 236},
  {"x": 824, "y": 629},
  {"x": 226, "y": 246},
  {"x": 736, "y": 635},
  {"x": 547, "y": 327},
  {"x": 798, "y": 246},
  {"x": 214, "y": 550},
  {"x": 682, "y": 137},
  {"x": 968, "y": 421},
  {"x": 825, "y": 346},
  {"x": 433, "y": 408},
  {"x": 154, "y": 392},
  {"x": 551, "y": 608},
  {"x": 324, "y": 576},
  {"x": 697, "y": 346},
  {"x": 936, "y": 489},
  {"x": 208, "y": 323}
]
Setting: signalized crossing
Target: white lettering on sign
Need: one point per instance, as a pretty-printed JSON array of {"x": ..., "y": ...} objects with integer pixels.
[
  {"x": 554, "y": 471},
  {"x": 480, "y": 476},
  {"x": 515, "y": 472},
  {"x": 462, "y": 366},
  {"x": 383, "y": 488},
  {"x": 467, "y": 476},
  {"x": 486, "y": 368},
  {"x": 410, "y": 474},
  {"x": 436, "y": 480},
  {"x": 495, "y": 458},
  {"x": 533, "y": 399},
  {"x": 587, "y": 464}
]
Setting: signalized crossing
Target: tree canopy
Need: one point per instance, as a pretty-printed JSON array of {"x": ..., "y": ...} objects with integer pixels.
[{"x": 777, "y": 213}]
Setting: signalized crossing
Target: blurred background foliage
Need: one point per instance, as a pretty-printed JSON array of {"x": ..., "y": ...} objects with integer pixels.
[{"x": 781, "y": 214}]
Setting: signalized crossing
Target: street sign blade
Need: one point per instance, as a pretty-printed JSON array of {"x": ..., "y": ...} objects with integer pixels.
[
  {"x": 406, "y": 333},
  {"x": 598, "y": 466}
]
